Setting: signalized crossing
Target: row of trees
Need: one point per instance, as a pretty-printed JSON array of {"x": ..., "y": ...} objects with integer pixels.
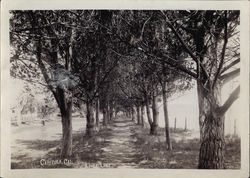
[{"x": 124, "y": 60}]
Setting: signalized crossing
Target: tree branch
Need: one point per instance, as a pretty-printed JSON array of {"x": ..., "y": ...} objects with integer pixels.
[
  {"x": 233, "y": 96},
  {"x": 46, "y": 26},
  {"x": 41, "y": 64},
  {"x": 143, "y": 27},
  {"x": 230, "y": 65},
  {"x": 172, "y": 63},
  {"x": 33, "y": 28},
  {"x": 186, "y": 47},
  {"x": 222, "y": 53},
  {"x": 126, "y": 94},
  {"x": 105, "y": 77},
  {"x": 182, "y": 41},
  {"x": 229, "y": 76}
]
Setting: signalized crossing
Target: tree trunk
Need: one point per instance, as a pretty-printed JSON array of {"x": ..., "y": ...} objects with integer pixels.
[
  {"x": 105, "y": 111},
  {"x": 133, "y": 113},
  {"x": 142, "y": 115},
  {"x": 111, "y": 111},
  {"x": 108, "y": 112},
  {"x": 66, "y": 114},
  {"x": 138, "y": 115},
  {"x": 212, "y": 147},
  {"x": 90, "y": 118},
  {"x": 154, "y": 127},
  {"x": 104, "y": 122},
  {"x": 129, "y": 113},
  {"x": 97, "y": 110},
  {"x": 115, "y": 111},
  {"x": 148, "y": 113},
  {"x": 165, "y": 109}
]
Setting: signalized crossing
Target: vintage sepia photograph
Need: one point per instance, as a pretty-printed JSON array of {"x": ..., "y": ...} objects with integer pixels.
[
  {"x": 155, "y": 89},
  {"x": 124, "y": 89}
]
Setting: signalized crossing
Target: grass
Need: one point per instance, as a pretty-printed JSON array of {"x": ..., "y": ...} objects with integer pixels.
[
  {"x": 185, "y": 152},
  {"x": 155, "y": 154},
  {"x": 232, "y": 152}
]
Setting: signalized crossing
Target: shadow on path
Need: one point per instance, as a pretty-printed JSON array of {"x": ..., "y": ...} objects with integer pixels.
[{"x": 120, "y": 152}]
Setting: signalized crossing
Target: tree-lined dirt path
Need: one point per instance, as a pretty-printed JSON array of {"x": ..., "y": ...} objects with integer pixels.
[
  {"x": 120, "y": 150},
  {"x": 122, "y": 144}
]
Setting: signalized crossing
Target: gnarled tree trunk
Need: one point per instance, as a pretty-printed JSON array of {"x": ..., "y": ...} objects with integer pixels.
[
  {"x": 211, "y": 120},
  {"x": 165, "y": 109}
]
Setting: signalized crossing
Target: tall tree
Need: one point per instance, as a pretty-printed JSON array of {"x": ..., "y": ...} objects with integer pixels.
[
  {"x": 35, "y": 34},
  {"x": 210, "y": 32}
]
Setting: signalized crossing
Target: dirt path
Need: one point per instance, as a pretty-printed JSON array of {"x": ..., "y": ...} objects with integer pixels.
[{"x": 120, "y": 150}]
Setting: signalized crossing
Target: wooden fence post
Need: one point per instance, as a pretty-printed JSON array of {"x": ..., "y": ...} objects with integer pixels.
[
  {"x": 185, "y": 124},
  {"x": 175, "y": 124},
  {"x": 234, "y": 127}
]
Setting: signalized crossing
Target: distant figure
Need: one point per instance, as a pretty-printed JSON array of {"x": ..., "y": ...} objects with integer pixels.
[
  {"x": 44, "y": 113},
  {"x": 43, "y": 122}
]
